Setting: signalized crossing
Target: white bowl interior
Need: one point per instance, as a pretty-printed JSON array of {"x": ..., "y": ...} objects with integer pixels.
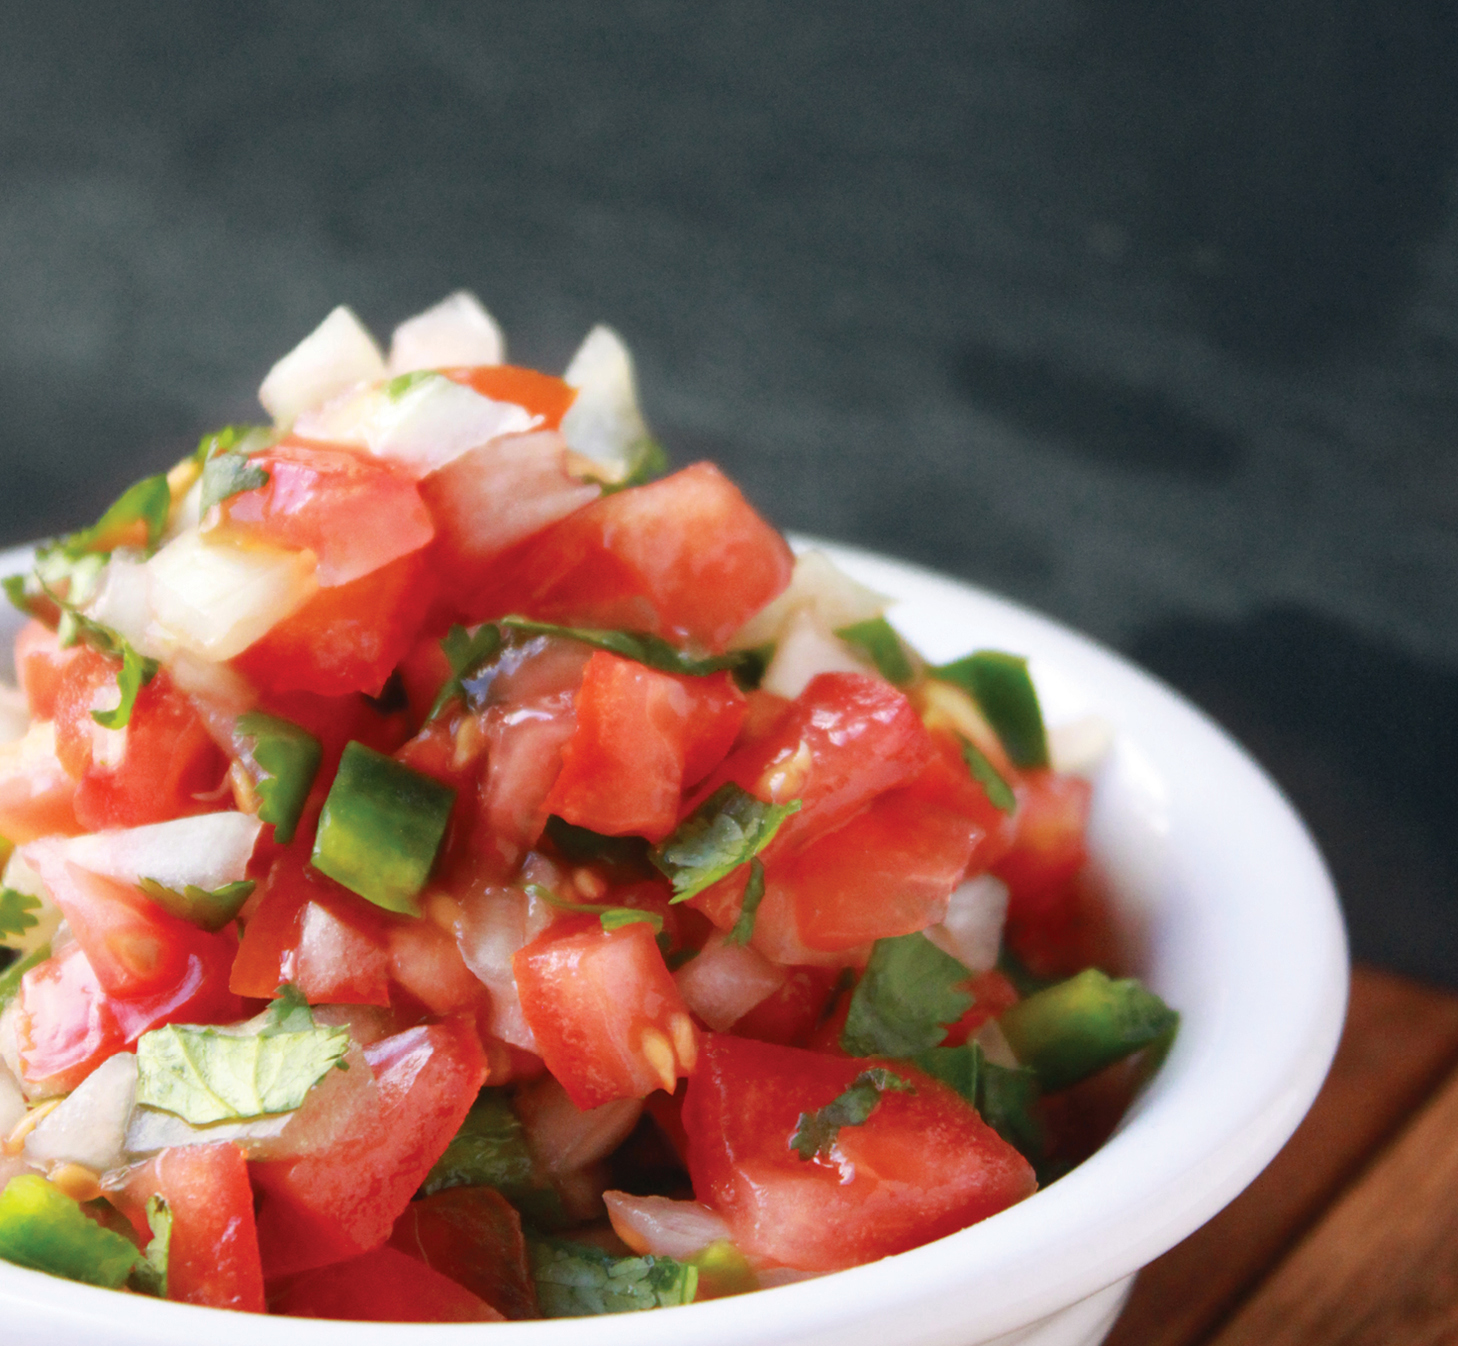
[{"x": 1241, "y": 933}]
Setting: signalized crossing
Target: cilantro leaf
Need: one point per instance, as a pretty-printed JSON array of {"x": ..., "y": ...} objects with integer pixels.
[
  {"x": 204, "y": 1075},
  {"x": 15, "y": 909},
  {"x": 612, "y": 918},
  {"x": 491, "y": 1150},
  {"x": 753, "y": 895},
  {"x": 727, "y": 830},
  {"x": 818, "y": 1131},
  {"x": 583, "y": 846},
  {"x": 1000, "y": 685},
  {"x": 44, "y": 1229},
  {"x": 228, "y": 474},
  {"x": 147, "y": 502},
  {"x": 207, "y": 909},
  {"x": 641, "y": 646},
  {"x": 904, "y": 998},
  {"x": 137, "y": 671},
  {"x": 10, "y": 978},
  {"x": 244, "y": 439},
  {"x": 467, "y": 651},
  {"x": 288, "y": 1012},
  {"x": 576, "y": 1280},
  {"x": 999, "y": 792},
  {"x": 150, "y": 1274},
  {"x": 401, "y": 384},
  {"x": 289, "y": 759},
  {"x": 643, "y": 460},
  {"x": 878, "y": 639}
]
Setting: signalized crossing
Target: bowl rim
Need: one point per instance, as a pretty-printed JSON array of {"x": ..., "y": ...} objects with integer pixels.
[{"x": 1257, "y": 1041}]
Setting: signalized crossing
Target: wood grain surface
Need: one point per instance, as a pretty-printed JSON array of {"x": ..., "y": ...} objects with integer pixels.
[{"x": 1399, "y": 1044}]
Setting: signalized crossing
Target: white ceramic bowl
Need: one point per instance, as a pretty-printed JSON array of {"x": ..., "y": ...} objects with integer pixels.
[{"x": 1242, "y": 934}]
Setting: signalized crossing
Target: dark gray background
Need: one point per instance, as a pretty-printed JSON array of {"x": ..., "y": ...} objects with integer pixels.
[{"x": 1143, "y": 313}]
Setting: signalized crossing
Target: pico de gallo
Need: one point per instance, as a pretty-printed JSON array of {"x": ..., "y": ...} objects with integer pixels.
[{"x": 457, "y": 869}]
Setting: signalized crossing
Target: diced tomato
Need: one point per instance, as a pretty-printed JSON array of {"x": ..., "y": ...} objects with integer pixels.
[
  {"x": 1049, "y": 848},
  {"x": 344, "y": 1200},
  {"x": 685, "y": 557},
  {"x": 212, "y": 1251},
  {"x": 474, "y": 1236},
  {"x": 791, "y": 1014},
  {"x": 40, "y": 663},
  {"x": 383, "y": 1286},
  {"x": 306, "y": 929},
  {"x": 135, "y": 948},
  {"x": 354, "y": 511},
  {"x": 493, "y": 498},
  {"x": 426, "y": 965},
  {"x": 992, "y": 993},
  {"x": 847, "y": 738},
  {"x": 543, "y": 395},
  {"x": 37, "y": 793},
  {"x": 345, "y": 639},
  {"x": 922, "y": 1166},
  {"x": 68, "y": 1025},
  {"x": 162, "y": 765},
  {"x": 605, "y": 1012},
  {"x": 639, "y": 733}
]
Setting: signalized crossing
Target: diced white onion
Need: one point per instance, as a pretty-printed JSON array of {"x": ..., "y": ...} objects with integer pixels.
[
  {"x": 12, "y": 1100},
  {"x": 1079, "y": 746},
  {"x": 152, "y": 1129},
  {"x": 971, "y": 931},
  {"x": 807, "y": 648},
  {"x": 663, "y": 1227},
  {"x": 457, "y": 331},
  {"x": 995, "y": 1045},
  {"x": 90, "y": 1126},
  {"x": 122, "y": 598},
  {"x": 14, "y": 714},
  {"x": 603, "y": 423},
  {"x": 216, "y": 597},
  {"x": 336, "y": 354},
  {"x": 817, "y": 583},
  {"x": 495, "y": 923},
  {"x": 723, "y": 982},
  {"x": 208, "y": 850},
  {"x": 562, "y": 1136},
  {"x": 23, "y": 879}
]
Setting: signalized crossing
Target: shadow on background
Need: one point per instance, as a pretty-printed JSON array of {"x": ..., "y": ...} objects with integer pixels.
[
  {"x": 1298, "y": 150},
  {"x": 1364, "y": 740}
]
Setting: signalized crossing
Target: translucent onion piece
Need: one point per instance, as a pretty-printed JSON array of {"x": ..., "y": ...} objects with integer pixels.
[
  {"x": 208, "y": 850},
  {"x": 819, "y": 584},
  {"x": 603, "y": 422},
  {"x": 338, "y": 353},
  {"x": 563, "y": 1137},
  {"x": 971, "y": 931},
  {"x": 90, "y": 1126},
  {"x": 724, "y": 982},
  {"x": 457, "y": 331},
  {"x": 1080, "y": 746},
  {"x": 807, "y": 648},
  {"x": 663, "y": 1227},
  {"x": 494, "y": 923},
  {"x": 12, "y": 1101}
]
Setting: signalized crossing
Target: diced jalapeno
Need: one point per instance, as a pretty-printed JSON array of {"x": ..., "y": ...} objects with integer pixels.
[
  {"x": 1007, "y": 1099},
  {"x": 1000, "y": 685},
  {"x": 1077, "y": 1027},
  {"x": 44, "y": 1229},
  {"x": 290, "y": 757},
  {"x": 381, "y": 827},
  {"x": 208, "y": 909},
  {"x": 879, "y": 640}
]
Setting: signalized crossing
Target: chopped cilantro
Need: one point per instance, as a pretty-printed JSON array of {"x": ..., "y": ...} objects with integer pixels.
[
  {"x": 207, "y": 909},
  {"x": 244, "y": 439},
  {"x": 904, "y": 999},
  {"x": 576, "y": 1280},
  {"x": 150, "y": 1274},
  {"x": 753, "y": 895},
  {"x": 10, "y": 978},
  {"x": 467, "y": 651},
  {"x": 147, "y": 502},
  {"x": 878, "y": 639},
  {"x": 289, "y": 759},
  {"x": 1000, "y": 685},
  {"x": 818, "y": 1131},
  {"x": 228, "y": 474},
  {"x": 137, "y": 671},
  {"x": 999, "y": 792},
  {"x": 15, "y": 909},
  {"x": 727, "y": 830},
  {"x": 204, "y": 1075},
  {"x": 612, "y": 918},
  {"x": 643, "y": 460},
  {"x": 640, "y": 646},
  {"x": 401, "y": 384}
]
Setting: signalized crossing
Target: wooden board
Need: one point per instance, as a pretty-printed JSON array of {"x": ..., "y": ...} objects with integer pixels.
[{"x": 1399, "y": 1044}]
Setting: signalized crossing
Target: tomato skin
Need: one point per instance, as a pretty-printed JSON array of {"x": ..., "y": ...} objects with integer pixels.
[
  {"x": 846, "y": 738},
  {"x": 41, "y": 663},
  {"x": 638, "y": 734},
  {"x": 344, "y": 639},
  {"x": 344, "y": 1200},
  {"x": 382, "y": 1286},
  {"x": 354, "y": 511},
  {"x": 601, "y": 1004},
  {"x": 163, "y": 765},
  {"x": 543, "y": 395},
  {"x": 68, "y": 1025},
  {"x": 212, "y": 1256},
  {"x": 922, "y": 1166},
  {"x": 474, "y": 1236},
  {"x": 685, "y": 557}
]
